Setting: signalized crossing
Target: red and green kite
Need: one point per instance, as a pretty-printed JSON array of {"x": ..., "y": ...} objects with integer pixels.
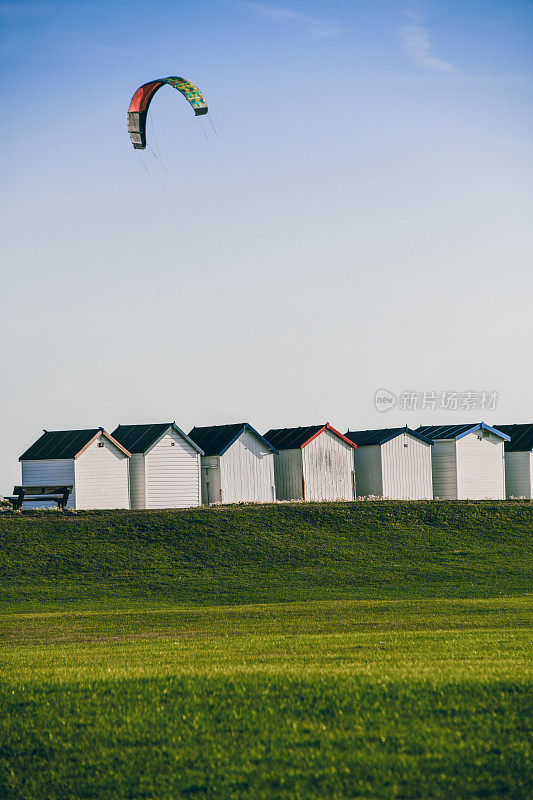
[{"x": 142, "y": 98}]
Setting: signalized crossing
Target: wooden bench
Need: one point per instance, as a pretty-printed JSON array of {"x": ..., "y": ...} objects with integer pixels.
[{"x": 40, "y": 494}]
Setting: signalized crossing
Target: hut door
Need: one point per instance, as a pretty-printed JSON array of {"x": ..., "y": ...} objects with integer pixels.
[
  {"x": 205, "y": 482},
  {"x": 209, "y": 488}
]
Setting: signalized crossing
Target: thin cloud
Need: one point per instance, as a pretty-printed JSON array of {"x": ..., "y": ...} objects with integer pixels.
[
  {"x": 416, "y": 41},
  {"x": 311, "y": 25}
]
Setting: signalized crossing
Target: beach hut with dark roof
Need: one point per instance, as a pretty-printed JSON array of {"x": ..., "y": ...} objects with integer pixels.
[
  {"x": 91, "y": 461},
  {"x": 467, "y": 461},
  {"x": 392, "y": 462},
  {"x": 313, "y": 463},
  {"x": 237, "y": 465},
  {"x": 518, "y": 460},
  {"x": 164, "y": 465}
]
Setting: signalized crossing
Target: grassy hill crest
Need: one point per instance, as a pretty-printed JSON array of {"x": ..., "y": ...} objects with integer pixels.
[{"x": 266, "y": 553}]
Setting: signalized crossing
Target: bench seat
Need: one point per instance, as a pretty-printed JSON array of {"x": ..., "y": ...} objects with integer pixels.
[{"x": 40, "y": 494}]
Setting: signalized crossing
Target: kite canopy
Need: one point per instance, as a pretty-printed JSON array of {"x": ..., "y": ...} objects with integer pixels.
[{"x": 142, "y": 98}]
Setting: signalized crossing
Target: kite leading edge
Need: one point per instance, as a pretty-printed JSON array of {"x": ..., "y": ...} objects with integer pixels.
[{"x": 142, "y": 98}]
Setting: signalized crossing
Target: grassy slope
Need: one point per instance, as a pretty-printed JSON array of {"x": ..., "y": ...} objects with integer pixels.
[
  {"x": 373, "y": 650},
  {"x": 264, "y": 553}
]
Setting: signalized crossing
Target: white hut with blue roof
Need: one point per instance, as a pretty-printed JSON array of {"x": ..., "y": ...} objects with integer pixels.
[
  {"x": 467, "y": 461},
  {"x": 237, "y": 464},
  {"x": 518, "y": 460},
  {"x": 164, "y": 465},
  {"x": 393, "y": 463}
]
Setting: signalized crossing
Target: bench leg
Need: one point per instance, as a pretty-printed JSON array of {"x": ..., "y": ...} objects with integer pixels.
[{"x": 64, "y": 501}]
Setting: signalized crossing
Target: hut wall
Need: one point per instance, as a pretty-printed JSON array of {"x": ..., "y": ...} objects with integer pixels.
[
  {"x": 102, "y": 479},
  {"x": 172, "y": 469},
  {"x": 480, "y": 467},
  {"x": 444, "y": 470},
  {"x": 288, "y": 475},
  {"x": 406, "y": 468},
  {"x": 518, "y": 473},
  {"x": 247, "y": 471},
  {"x": 368, "y": 475},
  {"x": 328, "y": 468},
  {"x": 137, "y": 481},
  {"x": 46, "y": 473}
]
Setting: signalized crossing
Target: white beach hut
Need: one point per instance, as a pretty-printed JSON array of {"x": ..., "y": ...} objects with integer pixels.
[
  {"x": 518, "y": 460},
  {"x": 313, "y": 463},
  {"x": 392, "y": 462},
  {"x": 467, "y": 460},
  {"x": 91, "y": 461},
  {"x": 164, "y": 465},
  {"x": 237, "y": 465}
]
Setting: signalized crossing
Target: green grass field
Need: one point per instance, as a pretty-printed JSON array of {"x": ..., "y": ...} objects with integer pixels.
[{"x": 370, "y": 650}]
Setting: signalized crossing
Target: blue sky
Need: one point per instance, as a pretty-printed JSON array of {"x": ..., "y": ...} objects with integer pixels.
[{"x": 363, "y": 220}]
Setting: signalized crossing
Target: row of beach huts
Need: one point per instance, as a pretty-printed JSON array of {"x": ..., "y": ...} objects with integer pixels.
[{"x": 159, "y": 466}]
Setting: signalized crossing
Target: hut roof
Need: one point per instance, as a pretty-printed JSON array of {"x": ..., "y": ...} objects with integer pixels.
[
  {"x": 294, "y": 438},
  {"x": 381, "y": 435},
  {"x": 216, "y": 439},
  {"x": 521, "y": 437},
  {"x": 456, "y": 432},
  {"x": 66, "y": 444},
  {"x": 140, "y": 438}
]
